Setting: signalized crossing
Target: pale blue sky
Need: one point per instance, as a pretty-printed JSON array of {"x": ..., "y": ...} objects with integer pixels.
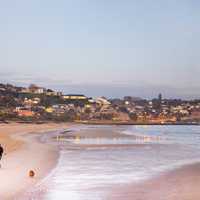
[{"x": 130, "y": 47}]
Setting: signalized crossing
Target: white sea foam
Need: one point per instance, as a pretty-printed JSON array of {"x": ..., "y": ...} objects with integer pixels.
[{"x": 90, "y": 173}]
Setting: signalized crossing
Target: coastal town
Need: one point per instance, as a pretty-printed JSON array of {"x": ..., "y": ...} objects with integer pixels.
[{"x": 39, "y": 104}]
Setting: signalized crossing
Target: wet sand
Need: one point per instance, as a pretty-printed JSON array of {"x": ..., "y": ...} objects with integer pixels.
[
  {"x": 178, "y": 184},
  {"x": 98, "y": 132},
  {"x": 23, "y": 152},
  {"x": 110, "y": 134}
]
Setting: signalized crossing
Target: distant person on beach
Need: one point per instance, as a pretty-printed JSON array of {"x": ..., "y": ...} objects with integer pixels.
[{"x": 1, "y": 152}]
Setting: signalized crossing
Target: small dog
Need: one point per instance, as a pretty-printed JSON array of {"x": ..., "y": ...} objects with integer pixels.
[{"x": 31, "y": 173}]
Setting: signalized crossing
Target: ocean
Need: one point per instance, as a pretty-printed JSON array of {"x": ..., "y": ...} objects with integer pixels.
[{"x": 90, "y": 167}]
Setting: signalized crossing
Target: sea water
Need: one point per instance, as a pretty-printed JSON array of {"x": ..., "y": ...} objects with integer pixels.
[{"x": 91, "y": 173}]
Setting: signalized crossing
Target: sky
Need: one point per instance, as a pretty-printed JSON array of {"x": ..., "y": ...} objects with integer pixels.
[{"x": 107, "y": 48}]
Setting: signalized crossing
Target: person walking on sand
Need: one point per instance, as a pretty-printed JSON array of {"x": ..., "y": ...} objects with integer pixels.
[{"x": 1, "y": 152}]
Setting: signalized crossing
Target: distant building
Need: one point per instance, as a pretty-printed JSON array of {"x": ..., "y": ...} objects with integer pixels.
[
  {"x": 24, "y": 112},
  {"x": 103, "y": 101},
  {"x": 59, "y": 94},
  {"x": 34, "y": 101},
  {"x": 74, "y": 97},
  {"x": 160, "y": 98},
  {"x": 36, "y": 90},
  {"x": 50, "y": 92}
]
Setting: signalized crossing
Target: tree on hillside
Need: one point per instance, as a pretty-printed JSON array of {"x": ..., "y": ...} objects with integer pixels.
[{"x": 133, "y": 116}]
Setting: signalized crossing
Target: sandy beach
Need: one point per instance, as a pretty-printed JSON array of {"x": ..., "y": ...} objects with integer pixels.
[{"x": 23, "y": 154}]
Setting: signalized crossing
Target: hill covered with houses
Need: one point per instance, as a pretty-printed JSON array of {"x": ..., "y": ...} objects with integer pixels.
[{"x": 36, "y": 104}]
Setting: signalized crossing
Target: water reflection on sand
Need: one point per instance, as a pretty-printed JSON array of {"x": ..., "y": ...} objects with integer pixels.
[{"x": 96, "y": 159}]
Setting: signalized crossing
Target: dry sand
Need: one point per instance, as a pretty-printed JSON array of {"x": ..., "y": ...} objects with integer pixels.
[{"x": 23, "y": 154}]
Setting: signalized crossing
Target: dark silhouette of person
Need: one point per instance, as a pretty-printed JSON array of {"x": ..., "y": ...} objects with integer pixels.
[{"x": 1, "y": 151}]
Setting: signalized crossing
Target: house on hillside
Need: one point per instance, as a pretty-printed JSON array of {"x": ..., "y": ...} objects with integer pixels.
[
  {"x": 50, "y": 92},
  {"x": 36, "y": 89},
  {"x": 74, "y": 97},
  {"x": 24, "y": 112}
]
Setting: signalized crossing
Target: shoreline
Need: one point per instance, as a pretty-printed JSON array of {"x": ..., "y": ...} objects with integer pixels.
[
  {"x": 137, "y": 123},
  {"x": 178, "y": 183},
  {"x": 104, "y": 122},
  {"x": 24, "y": 152}
]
